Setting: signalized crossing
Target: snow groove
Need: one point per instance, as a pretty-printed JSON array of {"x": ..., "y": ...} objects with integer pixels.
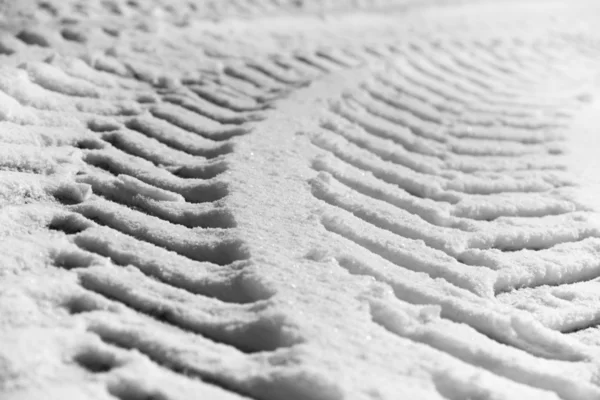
[
  {"x": 390, "y": 159},
  {"x": 148, "y": 211},
  {"x": 159, "y": 213},
  {"x": 444, "y": 179},
  {"x": 328, "y": 206},
  {"x": 149, "y": 229}
]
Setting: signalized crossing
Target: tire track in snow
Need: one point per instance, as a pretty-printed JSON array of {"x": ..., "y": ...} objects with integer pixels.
[
  {"x": 441, "y": 175},
  {"x": 183, "y": 194},
  {"x": 393, "y": 172},
  {"x": 157, "y": 213},
  {"x": 152, "y": 230}
]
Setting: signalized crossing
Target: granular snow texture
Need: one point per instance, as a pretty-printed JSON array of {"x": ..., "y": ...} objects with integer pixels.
[{"x": 299, "y": 200}]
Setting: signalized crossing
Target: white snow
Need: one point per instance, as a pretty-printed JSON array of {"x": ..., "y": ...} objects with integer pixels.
[{"x": 300, "y": 200}]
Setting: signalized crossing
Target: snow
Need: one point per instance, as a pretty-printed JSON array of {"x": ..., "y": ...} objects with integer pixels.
[{"x": 299, "y": 200}]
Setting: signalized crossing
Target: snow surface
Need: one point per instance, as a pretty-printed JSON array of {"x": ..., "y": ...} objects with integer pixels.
[{"x": 299, "y": 200}]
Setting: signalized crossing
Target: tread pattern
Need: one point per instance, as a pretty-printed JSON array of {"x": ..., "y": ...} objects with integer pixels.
[
  {"x": 427, "y": 168},
  {"x": 250, "y": 210}
]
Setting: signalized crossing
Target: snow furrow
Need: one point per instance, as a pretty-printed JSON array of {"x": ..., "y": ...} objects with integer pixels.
[
  {"x": 178, "y": 138},
  {"x": 192, "y": 313},
  {"x": 298, "y": 200},
  {"x": 203, "y": 278},
  {"x": 216, "y": 245}
]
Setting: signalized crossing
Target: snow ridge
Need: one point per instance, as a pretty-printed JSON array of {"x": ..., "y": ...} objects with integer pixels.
[
  {"x": 431, "y": 167},
  {"x": 305, "y": 207}
]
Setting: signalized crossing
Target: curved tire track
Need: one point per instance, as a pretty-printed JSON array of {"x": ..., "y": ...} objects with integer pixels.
[{"x": 367, "y": 199}]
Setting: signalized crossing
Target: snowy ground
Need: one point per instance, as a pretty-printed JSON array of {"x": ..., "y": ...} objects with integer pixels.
[{"x": 299, "y": 200}]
